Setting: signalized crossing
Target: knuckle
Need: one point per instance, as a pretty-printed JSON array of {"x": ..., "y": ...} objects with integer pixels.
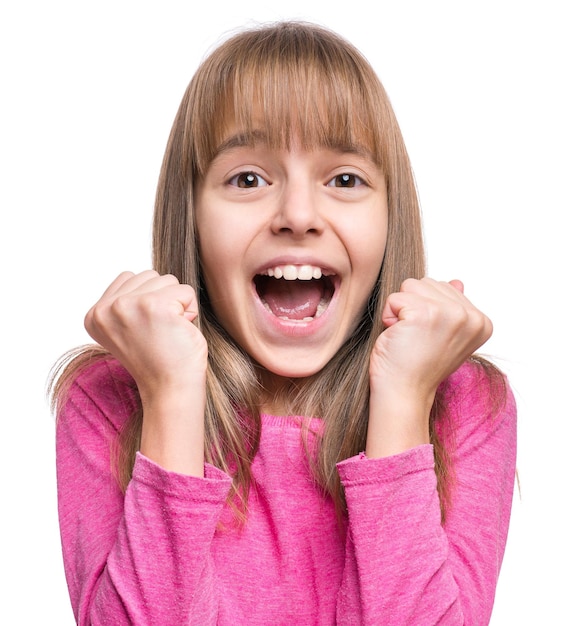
[
  {"x": 88, "y": 320},
  {"x": 148, "y": 304},
  {"x": 409, "y": 284},
  {"x": 118, "y": 307},
  {"x": 124, "y": 275},
  {"x": 170, "y": 279},
  {"x": 149, "y": 274},
  {"x": 100, "y": 315},
  {"x": 463, "y": 316},
  {"x": 189, "y": 290},
  {"x": 488, "y": 327},
  {"x": 480, "y": 325}
]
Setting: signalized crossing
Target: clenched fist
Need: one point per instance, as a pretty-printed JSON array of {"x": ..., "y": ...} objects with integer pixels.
[
  {"x": 431, "y": 329},
  {"x": 145, "y": 321}
]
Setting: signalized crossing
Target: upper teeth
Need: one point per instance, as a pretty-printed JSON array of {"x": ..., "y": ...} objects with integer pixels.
[{"x": 295, "y": 272}]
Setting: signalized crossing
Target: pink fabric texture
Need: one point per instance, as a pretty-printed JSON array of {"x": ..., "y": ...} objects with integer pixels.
[{"x": 157, "y": 555}]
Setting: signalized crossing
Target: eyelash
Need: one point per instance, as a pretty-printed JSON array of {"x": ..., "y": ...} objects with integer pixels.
[
  {"x": 354, "y": 179},
  {"x": 348, "y": 180},
  {"x": 251, "y": 177}
]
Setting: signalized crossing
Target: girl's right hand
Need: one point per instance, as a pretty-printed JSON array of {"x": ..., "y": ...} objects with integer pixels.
[{"x": 145, "y": 322}]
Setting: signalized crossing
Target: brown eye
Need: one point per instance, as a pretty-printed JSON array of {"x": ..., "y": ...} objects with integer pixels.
[
  {"x": 345, "y": 180},
  {"x": 248, "y": 180}
]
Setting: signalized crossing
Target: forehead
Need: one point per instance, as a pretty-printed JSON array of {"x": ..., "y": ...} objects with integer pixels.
[
  {"x": 324, "y": 96},
  {"x": 282, "y": 127},
  {"x": 257, "y": 138}
]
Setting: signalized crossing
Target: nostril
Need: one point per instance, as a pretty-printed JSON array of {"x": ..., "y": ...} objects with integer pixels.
[
  {"x": 298, "y": 216},
  {"x": 298, "y": 232}
]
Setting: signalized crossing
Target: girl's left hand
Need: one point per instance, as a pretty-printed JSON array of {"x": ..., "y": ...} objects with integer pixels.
[{"x": 432, "y": 328}]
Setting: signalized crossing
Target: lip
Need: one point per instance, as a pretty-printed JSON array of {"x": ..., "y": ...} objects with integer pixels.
[{"x": 289, "y": 328}]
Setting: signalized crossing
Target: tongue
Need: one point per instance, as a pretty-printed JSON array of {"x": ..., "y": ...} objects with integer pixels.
[{"x": 294, "y": 299}]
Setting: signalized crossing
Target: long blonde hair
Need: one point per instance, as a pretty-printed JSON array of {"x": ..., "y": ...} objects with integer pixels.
[{"x": 299, "y": 78}]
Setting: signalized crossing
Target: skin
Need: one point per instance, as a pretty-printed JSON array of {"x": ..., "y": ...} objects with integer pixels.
[
  {"x": 432, "y": 328},
  {"x": 257, "y": 208},
  {"x": 145, "y": 321}
]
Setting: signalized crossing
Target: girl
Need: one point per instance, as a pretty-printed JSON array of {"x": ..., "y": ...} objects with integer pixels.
[{"x": 300, "y": 431}]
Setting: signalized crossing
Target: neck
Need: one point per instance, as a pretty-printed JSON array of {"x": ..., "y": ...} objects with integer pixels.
[{"x": 280, "y": 396}]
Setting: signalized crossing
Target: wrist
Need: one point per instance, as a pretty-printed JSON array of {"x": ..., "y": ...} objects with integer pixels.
[
  {"x": 173, "y": 430},
  {"x": 397, "y": 421}
]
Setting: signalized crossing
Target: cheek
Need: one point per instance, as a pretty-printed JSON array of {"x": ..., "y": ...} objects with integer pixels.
[
  {"x": 369, "y": 242},
  {"x": 214, "y": 262},
  {"x": 217, "y": 240}
]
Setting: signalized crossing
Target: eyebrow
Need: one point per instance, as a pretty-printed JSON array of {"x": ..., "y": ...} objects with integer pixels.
[
  {"x": 242, "y": 140},
  {"x": 254, "y": 137}
]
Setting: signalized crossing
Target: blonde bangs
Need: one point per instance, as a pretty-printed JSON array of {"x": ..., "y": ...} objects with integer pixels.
[{"x": 300, "y": 84}]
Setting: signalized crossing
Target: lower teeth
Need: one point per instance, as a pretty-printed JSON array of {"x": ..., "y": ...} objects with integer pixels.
[{"x": 305, "y": 319}]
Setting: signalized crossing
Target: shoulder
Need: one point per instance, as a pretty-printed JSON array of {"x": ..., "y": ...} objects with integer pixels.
[
  {"x": 480, "y": 382},
  {"x": 102, "y": 388},
  {"x": 478, "y": 397}
]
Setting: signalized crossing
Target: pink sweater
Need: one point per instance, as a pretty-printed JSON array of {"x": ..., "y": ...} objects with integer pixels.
[{"x": 157, "y": 556}]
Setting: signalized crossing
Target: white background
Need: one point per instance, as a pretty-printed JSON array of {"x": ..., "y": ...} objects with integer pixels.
[{"x": 490, "y": 99}]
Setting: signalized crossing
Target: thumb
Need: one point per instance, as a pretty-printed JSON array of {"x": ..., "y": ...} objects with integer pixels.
[
  {"x": 190, "y": 315},
  {"x": 457, "y": 284},
  {"x": 191, "y": 310}
]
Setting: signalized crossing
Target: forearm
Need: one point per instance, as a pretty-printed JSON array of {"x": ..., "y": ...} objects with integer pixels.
[
  {"x": 159, "y": 569},
  {"x": 397, "y": 569},
  {"x": 398, "y": 420},
  {"x": 403, "y": 565},
  {"x": 137, "y": 557},
  {"x": 173, "y": 429}
]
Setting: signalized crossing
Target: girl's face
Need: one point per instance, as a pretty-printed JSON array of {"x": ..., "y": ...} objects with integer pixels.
[{"x": 291, "y": 245}]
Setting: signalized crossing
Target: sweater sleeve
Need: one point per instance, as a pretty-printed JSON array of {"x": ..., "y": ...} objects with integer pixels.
[
  {"x": 133, "y": 557},
  {"x": 403, "y": 566}
]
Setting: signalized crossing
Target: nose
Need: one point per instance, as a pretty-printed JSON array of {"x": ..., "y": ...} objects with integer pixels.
[{"x": 298, "y": 213}]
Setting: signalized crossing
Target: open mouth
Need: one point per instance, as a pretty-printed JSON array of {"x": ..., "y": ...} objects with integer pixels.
[{"x": 295, "y": 292}]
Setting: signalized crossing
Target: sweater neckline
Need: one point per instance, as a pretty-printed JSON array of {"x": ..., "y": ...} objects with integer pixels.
[{"x": 296, "y": 421}]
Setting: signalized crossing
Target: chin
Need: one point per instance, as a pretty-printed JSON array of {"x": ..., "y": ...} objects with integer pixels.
[{"x": 292, "y": 367}]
